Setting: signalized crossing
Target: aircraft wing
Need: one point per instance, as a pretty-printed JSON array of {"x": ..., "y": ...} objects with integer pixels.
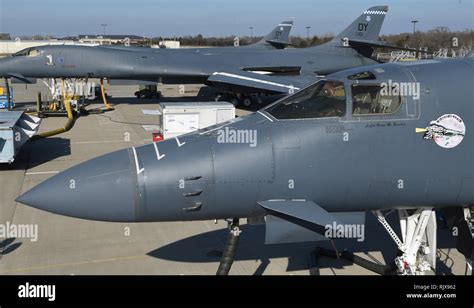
[
  {"x": 21, "y": 78},
  {"x": 267, "y": 83},
  {"x": 304, "y": 213},
  {"x": 378, "y": 44}
]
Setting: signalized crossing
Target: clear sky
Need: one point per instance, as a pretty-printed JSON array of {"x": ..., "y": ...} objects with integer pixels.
[{"x": 220, "y": 17}]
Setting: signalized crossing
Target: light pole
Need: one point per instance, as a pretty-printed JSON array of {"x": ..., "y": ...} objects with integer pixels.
[
  {"x": 414, "y": 31},
  {"x": 307, "y": 32},
  {"x": 104, "y": 26},
  {"x": 251, "y": 32},
  {"x": 414, "y": 25}
]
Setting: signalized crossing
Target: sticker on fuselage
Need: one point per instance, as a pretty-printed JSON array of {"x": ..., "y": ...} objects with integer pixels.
[
  {"x": 447, "y": 131},
  {"x": 50, "y": 60}
]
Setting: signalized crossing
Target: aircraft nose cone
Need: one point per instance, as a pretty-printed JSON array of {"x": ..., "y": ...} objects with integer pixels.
[
  {"x": 4, "y": 65},
  {"x": 104, "y": 189}
]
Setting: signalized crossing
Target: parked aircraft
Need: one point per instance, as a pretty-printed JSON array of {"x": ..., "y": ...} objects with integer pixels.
[{"x": 381, "y": 138}]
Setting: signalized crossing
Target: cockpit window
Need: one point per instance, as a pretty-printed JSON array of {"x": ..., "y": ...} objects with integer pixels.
[
  {"x": 368, "y": 100},
  {"x": 21, "y": 53},
  {"x": 322, "y": 100},
  {"x": 362, "y": 76},
  {"x": 29, "y": 52},
  {"x": 33, "y": 52}
]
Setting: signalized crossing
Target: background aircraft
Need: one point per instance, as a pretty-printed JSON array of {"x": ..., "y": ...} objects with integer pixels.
[
  {"x": 310, "y": 163},
  {"x": 279, "y": 38},
  {"x": 241, "y": 71}
]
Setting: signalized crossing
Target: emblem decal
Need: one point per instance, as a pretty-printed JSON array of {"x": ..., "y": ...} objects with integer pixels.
[{"x": 447, "y": 131}]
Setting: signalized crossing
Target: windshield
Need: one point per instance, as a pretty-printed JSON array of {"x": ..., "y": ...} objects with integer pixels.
[
  {"x": 29, "y": 52},
  {"x": 322, "y": 100}
]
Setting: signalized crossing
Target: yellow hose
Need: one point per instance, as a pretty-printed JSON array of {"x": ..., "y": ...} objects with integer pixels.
[
  {"x": 104, "y": 98},
  {"x": 67, "y": 101},
  {"x": 69, "y": 124},
  {"x": 71, "y": 120}
]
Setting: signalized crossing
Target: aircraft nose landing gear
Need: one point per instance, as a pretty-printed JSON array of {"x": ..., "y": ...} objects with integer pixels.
[
  {"x": 230, "y": 248},
  {"x": 419, "y": 240}
]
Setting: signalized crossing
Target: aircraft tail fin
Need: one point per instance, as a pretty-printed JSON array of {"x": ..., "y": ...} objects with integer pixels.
[
  {"x": 279, "y": 37},
  {"x": 366, "y": 27}
]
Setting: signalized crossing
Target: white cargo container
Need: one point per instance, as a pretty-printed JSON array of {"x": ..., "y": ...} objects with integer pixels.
[{"x": 182, "y": 118}]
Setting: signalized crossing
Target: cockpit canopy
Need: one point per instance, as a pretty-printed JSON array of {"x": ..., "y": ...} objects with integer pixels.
[
  {"x": 328, "y": 98},
  {"x": 28, "y": 52},
  {"x": 324, "y": 99}
]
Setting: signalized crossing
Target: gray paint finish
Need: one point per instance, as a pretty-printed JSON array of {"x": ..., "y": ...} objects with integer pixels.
[{"x": 360, "y": 174}]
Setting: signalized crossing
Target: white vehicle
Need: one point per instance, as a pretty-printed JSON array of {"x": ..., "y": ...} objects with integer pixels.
[{"x": 182, "y": 118}]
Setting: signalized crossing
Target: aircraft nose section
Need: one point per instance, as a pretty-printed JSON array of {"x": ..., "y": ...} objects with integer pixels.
[
  {"x": 4, "y": 67},
  {"x": 104, "y": 189}
]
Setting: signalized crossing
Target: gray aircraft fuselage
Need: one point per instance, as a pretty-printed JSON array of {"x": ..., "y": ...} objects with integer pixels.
[
  {"x": 178, "y": 66},
  {"x": 342, "y": 162}
]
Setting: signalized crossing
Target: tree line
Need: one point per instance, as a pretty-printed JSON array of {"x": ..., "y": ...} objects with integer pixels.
[{"x": 435, "y": 39}]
